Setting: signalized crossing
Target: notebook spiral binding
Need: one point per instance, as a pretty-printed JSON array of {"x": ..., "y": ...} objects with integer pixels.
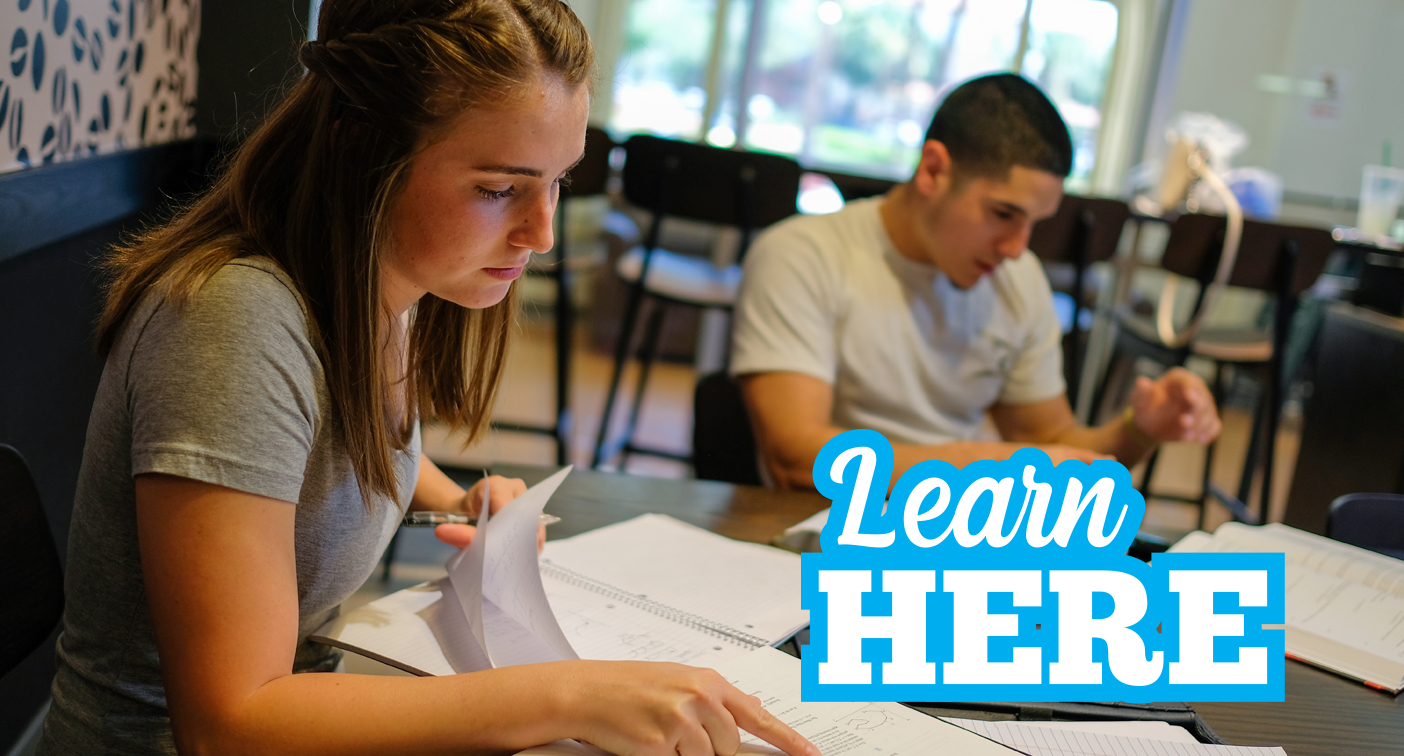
[{"x": 712, "y": 627}]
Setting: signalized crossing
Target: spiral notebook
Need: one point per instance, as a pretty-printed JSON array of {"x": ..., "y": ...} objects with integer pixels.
[{"x": 651, "y": 588}]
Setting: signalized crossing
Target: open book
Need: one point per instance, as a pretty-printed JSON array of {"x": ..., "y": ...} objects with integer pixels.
[
  {"x": 1345, "y": 605},
  {"x": 651, "y": 588}
]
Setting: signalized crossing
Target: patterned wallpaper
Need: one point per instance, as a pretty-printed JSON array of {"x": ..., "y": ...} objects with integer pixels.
[{"x": 86, "y": 77}]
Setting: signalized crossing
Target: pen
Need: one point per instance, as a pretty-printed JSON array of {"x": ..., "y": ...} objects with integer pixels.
[{"x": 432, "y": 519}]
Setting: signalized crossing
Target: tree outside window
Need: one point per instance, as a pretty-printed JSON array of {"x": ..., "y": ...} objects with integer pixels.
[{"x": 850, "y": 85}]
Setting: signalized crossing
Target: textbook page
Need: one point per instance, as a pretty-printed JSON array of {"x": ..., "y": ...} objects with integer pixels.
[
  {"x": 1065, "y": 740},
  {"x": 746, "y": 590},
  {"x": 1333, "y": 618}
]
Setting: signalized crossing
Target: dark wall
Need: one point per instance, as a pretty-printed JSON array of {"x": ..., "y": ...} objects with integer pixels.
[{"x": 246, "y": 57}]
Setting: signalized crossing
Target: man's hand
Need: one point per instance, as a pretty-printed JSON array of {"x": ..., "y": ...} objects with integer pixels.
[
  {"x": 1175, "y": 407},
  {"x": 501, "y": 490}
]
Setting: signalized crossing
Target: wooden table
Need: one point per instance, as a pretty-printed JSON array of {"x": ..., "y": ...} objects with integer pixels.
[{"x": 1324, "y": 715}]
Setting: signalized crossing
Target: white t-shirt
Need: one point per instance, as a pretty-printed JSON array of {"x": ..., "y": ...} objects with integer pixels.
[{"x": 907, "y": 353}]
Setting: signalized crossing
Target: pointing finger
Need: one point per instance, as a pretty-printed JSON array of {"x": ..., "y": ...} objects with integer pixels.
[{"x": 753, "y": 718}]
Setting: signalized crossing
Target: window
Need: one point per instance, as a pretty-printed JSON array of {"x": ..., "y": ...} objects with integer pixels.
[{"x": 850, "y": 85}]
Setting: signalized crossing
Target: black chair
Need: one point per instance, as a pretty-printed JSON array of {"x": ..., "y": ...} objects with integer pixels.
[
  {"x": 588, "y": 178},
  {"x": 669, "y": 178},
  {"x": 1085, "y": 230},
  {"x": 723, "y": 444},
  {"x": 32, "y": 592},
  {"x": 1373, "y": 521},
  {"x": 1281, "y": 260}
]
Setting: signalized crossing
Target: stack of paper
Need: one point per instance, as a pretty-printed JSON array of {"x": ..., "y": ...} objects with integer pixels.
[{"x": 1345, "y": 605}]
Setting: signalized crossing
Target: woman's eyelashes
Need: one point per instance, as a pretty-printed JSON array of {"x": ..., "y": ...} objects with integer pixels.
[{"x": 496, "y": 194}]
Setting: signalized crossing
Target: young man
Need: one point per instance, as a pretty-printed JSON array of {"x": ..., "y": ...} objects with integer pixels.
[{"x": 917, "y": 313}]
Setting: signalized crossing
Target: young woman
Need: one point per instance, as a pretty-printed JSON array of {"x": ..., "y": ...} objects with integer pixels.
[{"x": 254, "y": 441}]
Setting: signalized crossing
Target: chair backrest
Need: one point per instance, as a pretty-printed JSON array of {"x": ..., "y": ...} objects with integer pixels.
[
  {"x": 1373, "y": 521},
  {"x": 1196, "y": 241},
  {"x": 31, "y": 590},
  {"x": 591, "y": 175},
  {"x": 749, "y": 190},
  {"x": 723, "y": 446},
  {"x": 853, "y": 187},
  {"x": 1058, "y": 239}
]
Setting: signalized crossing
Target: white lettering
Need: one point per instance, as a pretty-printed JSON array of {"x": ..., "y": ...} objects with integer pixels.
[
  {"x": 848, "y": 627},
  {"x": 973, "y": 626},
  {"x": 1126, "y": 651},
  {"x": 1199, "y": 625}
]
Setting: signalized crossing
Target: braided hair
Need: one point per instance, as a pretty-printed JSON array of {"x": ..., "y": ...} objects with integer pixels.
[{"x": 312, "y": 188}]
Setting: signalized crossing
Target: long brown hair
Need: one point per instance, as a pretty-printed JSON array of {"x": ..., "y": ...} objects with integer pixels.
[{"x": 312, "y": 188}]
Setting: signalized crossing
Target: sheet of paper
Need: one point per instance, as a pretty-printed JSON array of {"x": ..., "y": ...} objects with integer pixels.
[
  {"x": 613, "y": 630},
  {"x": 1144, "y": 730},
  {"x": 399, "y": 630},
  {"x": 497, "y": 583},
  {"x": 511, "y": 575},
  {"x": 1333, "y": 618},
  {"x": 702, "y": 577},
  {"x": 1047, "y": 741},
  {"x": 850, "y": 729}
]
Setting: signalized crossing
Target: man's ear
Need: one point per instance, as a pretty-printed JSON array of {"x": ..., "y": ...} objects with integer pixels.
[{"x": 933, "y": 171}]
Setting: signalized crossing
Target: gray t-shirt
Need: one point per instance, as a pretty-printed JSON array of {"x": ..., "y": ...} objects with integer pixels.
[{"x": 230, "y": 391}]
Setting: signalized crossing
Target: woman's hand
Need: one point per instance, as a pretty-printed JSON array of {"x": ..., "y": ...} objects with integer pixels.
[
  {"x": 661, "y": 709},
  {"x": 501, "y": 490}
]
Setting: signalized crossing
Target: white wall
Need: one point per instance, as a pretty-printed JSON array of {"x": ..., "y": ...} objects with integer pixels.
[{"x": 1230, "y": 44}]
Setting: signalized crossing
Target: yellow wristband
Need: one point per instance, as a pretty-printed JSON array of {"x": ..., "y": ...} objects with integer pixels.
[{"x": 1128, "y": 420}]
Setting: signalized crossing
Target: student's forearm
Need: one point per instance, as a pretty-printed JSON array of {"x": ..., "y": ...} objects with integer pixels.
[
  {"x": 1110, "y": 438},
  {"x": 497, "y": 711},
  {"x": 795, "y": 470},
  {"x": 434, "y": 490}
]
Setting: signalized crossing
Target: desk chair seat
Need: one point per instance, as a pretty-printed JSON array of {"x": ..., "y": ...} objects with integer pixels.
[
  {"x": 1373, "y": 521},
  {"x": 1239, "y": 345},
  {"x": 682, "y": 279}
]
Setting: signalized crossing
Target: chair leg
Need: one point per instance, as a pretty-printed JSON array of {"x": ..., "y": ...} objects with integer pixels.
[
  {"x": 1150, "y": 472},
  {"x": 649, "y": 352},
  {"x": 1250, "y": 460},
  {"x": 565, "y": 332},
  {"x": 621, "y": 357},
  {"x": 1218, "y": 389},
  {"x": 1118, "y": 362},
  {"x": 389, "y": 557}
]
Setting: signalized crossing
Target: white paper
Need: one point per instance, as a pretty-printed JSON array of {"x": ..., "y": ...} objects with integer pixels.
[
  {"x": 749, "y": 588},
  {"x": 1145, "y": 730},
  {"x": 1034, "y": 740},
  {"x": 498, "y": 586},
  {"x": 1344, "y": 605},
  {"x": 845, "y": 728}
]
